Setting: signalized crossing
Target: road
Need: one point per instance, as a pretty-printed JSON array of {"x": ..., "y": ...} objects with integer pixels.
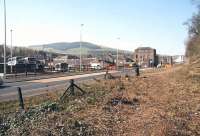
[{"x": 36, "y": 87}]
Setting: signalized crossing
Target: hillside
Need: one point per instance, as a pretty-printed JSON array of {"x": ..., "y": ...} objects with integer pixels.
[
  {"x": 66, "y": 45},
  {"x": 74, "y": 48},
  {"x": 24, "y": 52}
]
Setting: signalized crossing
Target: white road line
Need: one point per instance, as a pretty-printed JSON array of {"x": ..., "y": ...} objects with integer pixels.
[
  {"x": 26, "y": 93},
  {"x": 68, "y": 77},
  {"x": 54, "y": 79}
]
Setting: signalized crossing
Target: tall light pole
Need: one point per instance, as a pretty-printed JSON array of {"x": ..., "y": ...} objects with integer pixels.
[
  {"x": 11, "y": 49},
  {"x": 81, "y": 47},
  {"x": 103, "y": 55},
  {"x": 4, "y": 50},
  {"x": 117, "y": 55}
]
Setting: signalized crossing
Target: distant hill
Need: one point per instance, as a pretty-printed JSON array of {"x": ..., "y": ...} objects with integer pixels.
[
  {"x": 66, "y": 45},
  {"x": 73, "y": 48},
  {"x": 25, "y": 52}
]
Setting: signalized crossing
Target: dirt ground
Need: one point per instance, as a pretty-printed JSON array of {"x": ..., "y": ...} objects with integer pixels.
[
  {"x": 163, "y": 103},
  {"x": 158, "y": 103}
]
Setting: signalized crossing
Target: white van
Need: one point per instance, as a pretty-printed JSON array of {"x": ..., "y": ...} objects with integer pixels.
[{"x": 96, "y": 66}]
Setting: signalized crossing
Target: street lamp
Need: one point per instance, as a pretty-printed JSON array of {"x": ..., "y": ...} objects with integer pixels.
[
  {"x": 4, "y": 50},
  {"x": 103, "y": 55},
  {"x": 117, "y": 55},
  {"x": 11, "y": 49},
  {"x": 81, "y": 47}
]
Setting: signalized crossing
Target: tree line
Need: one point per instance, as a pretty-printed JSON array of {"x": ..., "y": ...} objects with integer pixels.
[
  {"x": 25, "y": 52},
  {"x": 193, "y": 42}
]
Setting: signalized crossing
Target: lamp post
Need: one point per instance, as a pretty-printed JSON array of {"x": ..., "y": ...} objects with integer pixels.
[
  {"x": 4, "y": 50},
  {"x": 11, "y": 49},
  {"x": 117, "y": 55},
  {"x": 103, "y": 55},
  {"x": 81, "y": 47}
]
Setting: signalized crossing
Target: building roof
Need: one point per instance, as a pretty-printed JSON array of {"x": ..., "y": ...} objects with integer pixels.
[{"x": 145, "y": 48}]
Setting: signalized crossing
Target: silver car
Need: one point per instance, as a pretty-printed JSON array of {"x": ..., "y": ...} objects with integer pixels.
[{"x": 1, "y": 80}]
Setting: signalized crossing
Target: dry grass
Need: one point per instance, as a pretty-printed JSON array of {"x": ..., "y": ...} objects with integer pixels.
[{"x": 159, "y": 103}]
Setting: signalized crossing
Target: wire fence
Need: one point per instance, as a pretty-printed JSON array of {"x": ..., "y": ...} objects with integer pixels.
[{"x": 14, "y": 106}]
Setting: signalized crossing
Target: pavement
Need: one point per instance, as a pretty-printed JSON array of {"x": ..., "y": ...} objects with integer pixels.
[{"x": 40, "y": 86}]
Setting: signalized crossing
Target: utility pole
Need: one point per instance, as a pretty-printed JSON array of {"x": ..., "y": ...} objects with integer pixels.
[
  {"x": 103, "y": 55},
  {"x": 124, "y": 60},
  {"x": 117, "y": 58},
  {"x": 11, "y": 50},
  {"x": 81, "y": 47},
  {"x": 5, "y": 39},
  {"x": 117, "y": 55}
]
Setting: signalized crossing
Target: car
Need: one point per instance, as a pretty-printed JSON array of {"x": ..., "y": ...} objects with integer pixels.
[
  {"x": 1, "y": 79},
  {"x": 159, "y": 66}
]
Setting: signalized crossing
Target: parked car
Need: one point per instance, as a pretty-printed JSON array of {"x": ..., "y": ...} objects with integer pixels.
[
  {"x": 30, "y": 60},
  {"x": 1, "y": 80},
  {"x": 61, "y": 67},
  {"x": 96, "y": 66},
  {"x": 159, "y": 66}
]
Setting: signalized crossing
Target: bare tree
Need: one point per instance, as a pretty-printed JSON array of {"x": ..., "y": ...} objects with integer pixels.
[{"x": 193, "y": 24}]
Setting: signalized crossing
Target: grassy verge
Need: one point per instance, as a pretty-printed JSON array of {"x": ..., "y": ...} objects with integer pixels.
[
  {"x": 48, "y": 115},
  {"x": 166, "y": 103}
]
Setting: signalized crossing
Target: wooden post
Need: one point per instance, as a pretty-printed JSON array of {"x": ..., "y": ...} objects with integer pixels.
[
  {"x": 72, "y": 87},
  {"x": 21, "y": 101},
  {"x": 137, "y": 71},
  {"x": 26, "y": 70}
]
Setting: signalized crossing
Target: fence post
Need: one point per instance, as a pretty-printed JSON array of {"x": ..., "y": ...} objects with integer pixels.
[
  {"x": 26, "y": 70},
  {"x": 137, "y": 70},
  {"x": 21, "y": 101},
  {"x": 72, "y": 87}
]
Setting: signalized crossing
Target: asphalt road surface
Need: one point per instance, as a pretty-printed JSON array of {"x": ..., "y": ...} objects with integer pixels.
[{"x": 36, "y": 87}]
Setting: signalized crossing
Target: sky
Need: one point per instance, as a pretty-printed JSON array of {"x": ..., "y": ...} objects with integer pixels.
[{"x": 154, "y": 23}]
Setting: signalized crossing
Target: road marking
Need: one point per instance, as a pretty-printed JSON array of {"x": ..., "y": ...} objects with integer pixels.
[
  {"x": 33, "y": 92},
  {"x": 68, "y": 77}
]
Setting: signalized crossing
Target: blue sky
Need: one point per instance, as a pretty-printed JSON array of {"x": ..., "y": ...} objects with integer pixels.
[{"x": 154, "y": 23}]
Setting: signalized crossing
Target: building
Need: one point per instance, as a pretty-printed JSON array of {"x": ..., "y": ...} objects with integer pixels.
[
  {"x": 145, "y": 56},
  {"x": 179, "y": 59},
  {"x": 74, "y": 62},
  {"x": 165, "y": 60}
]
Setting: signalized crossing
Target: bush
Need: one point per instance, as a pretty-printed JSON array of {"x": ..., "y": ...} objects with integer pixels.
[{"x": 193, "y": 48}]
